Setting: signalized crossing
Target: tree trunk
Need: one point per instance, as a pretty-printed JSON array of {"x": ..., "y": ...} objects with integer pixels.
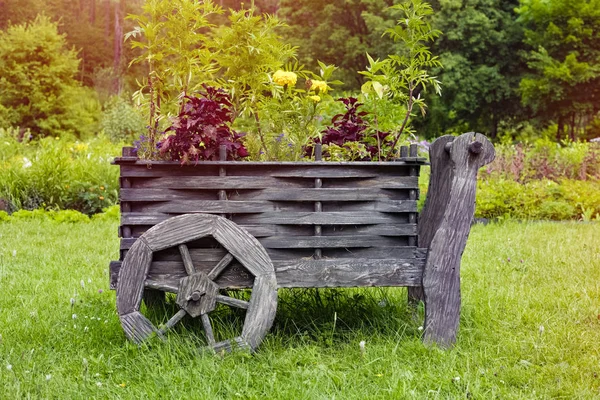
[
  {"x": 107, "y": 12},
  {"x": 559, "y": 130},
  {"x": 117, "y": 48},
  {"x": 93, "y": 12}
]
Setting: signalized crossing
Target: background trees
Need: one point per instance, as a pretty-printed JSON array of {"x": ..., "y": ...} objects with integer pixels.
[
  {"x": 507, "y": 63},
  {"x": 562, "y": 83},
  {"x": 38, "y": 86}
]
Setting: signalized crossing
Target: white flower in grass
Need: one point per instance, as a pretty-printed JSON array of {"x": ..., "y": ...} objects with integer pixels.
[
  {"x": 86, "y": 329},
  {"x": 362, "y": 345},
  {"x": 420, "y": 328},
  {"x": 72, "y": 301},
  {"x": 48, "y": 377},
  {"x": 9, "y": 367},
  {"x": 26, "y": 162},
  {"x": 82, "y": 283},
  {"x": 14, "y": 253},
  {"x": 74, "y": 316},
  {"x": 98, "y": 384}
]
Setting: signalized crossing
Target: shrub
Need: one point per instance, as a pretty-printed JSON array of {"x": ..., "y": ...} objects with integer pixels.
[
  {"x": 38, "y": 89},
  {"x": 121, "y": 121},
  {"x": 541, "y": 199},
  {"x": 57, "y": 173}
]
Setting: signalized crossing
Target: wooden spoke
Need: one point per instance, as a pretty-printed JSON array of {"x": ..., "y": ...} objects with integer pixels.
[
  {"x": 210, "y": 337},
  {"x": 187, "y": 259},
  {"x": 230, "y": 301},
  {"x": 220, "y": 267},
  {"x": 171, "y": 323}
]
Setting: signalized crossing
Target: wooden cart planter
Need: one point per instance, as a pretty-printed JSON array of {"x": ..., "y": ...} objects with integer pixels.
[{"x": 198, "y": 230}]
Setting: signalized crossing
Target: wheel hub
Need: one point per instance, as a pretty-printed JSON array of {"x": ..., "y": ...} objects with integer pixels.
[{"x": 197, "y": 294}]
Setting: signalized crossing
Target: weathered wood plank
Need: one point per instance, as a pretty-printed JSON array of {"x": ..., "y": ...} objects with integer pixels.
[
  {"x": 255, "y": 230},
  {"x": 178, "y": 230},
  {"x": 217, "y": 182},
  {"x": 436, "y": 201},
  {"x": 313, "y": 194},
  {"x": 261, "y": 310},
  {"x": 216, "y": 206},
  {"x": 322, "y": 242},
  {"x": 132, "y": 276},
  {"x": 269, "y": 218},
  {"x": 137, "y": 327},
  {"x": 324, "y": 218},
  {"x": 441, "y": 277},
  {"x": 350, "y": 273},
  {"x": 165, "y": 275},
  {"x": 244, "y": 247}
]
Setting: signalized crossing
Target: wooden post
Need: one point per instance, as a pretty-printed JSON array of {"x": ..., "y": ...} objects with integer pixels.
[
  {"x": 445, "y": 225},
  {"x": 318, "y": 205}
]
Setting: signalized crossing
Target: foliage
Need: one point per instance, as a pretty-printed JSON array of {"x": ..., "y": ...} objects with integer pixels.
[
  {"x": 172, "y": 39},
  {"x": 545, "y": 159},
  {"x": 57, "y": 173},
  {"x": 542, "y": 180},
  {"x": 402, "y": 77},
  {"x": 479, "y": 51},
  {"x": 338, "y": 32},
  {"x": 563, "y": 81},
  {"x": 203, "y": 125},
  {"x": 289, "y": 115},
  {"x": 538, "y": 200},
  {"x": 121, "y": 121},
  {"x": 38, "y": 90},
  {"x": 348, "y": 137}
]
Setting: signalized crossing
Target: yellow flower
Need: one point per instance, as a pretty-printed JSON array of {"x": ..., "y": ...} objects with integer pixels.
[
  {"x": 101, "y": 187},
  {"x": 285, "y": 78},
  {"x": 319, "y": 86},
  {"x": 122, "y": 384},
  {"x": 315, "y": 98},
  {"x": 101, "y": 197}
]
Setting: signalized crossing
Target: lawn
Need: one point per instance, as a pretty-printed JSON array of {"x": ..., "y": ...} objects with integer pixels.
[{"x": 530, "y": 327}]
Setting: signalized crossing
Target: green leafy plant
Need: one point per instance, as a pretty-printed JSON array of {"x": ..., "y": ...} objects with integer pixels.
[
  {"x": 173, "y": 43},
  {"x": 402, "y": 78}
]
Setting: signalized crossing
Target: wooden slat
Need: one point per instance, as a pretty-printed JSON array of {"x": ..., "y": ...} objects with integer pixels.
[
  {"x": 277, "y": 193},
  {"x": 323, "y": 242},
  {"x": 217, "y": 182},
  {"x": 327, "y": 272},
  {"x": 216, "y": 206},
  {"x": 323, "y": 218},
  {"x": 350, "y": 273},
  {"x": 284, "y": 218},
  {"x": 314, "y": 194},
  {"x": 253, "y": 207}
]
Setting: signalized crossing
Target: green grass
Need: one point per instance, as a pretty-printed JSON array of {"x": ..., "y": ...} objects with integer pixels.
[{"x": 528, "y": 329}]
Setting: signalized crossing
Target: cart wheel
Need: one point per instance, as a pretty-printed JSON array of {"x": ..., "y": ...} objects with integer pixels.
[{"x": 198, "y": 294}]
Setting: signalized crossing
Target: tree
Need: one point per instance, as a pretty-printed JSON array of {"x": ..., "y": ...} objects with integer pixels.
[
  {"x": 338, "y": 32},
  {"x": 38, "y": 89},
  {"x": 479, "y": 51},
  {"x": 563, "y": 81}
]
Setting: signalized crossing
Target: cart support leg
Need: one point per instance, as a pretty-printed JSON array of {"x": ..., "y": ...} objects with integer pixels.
[{"x": 444, "y": 227}]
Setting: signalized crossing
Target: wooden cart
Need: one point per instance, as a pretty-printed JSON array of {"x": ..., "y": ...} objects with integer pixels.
[{"x": 200, "y": 230}]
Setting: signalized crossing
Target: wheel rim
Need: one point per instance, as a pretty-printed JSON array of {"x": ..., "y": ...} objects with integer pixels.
[{"x": 198, "y": 294}]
